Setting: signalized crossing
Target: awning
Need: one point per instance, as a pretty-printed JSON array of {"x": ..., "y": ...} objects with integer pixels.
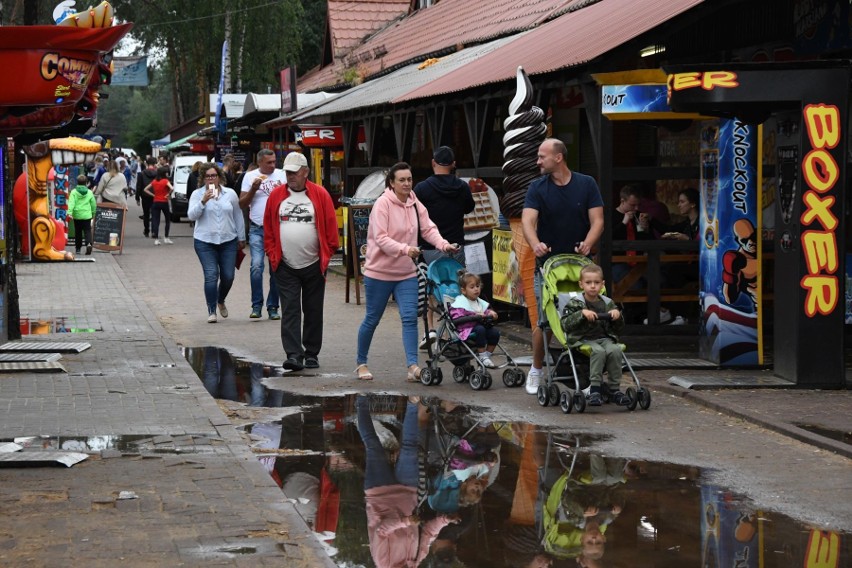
[
  {"x": 572, "y": 39},
  {"x": 182, "y": 142},
  {"x": 386, "y": 89}
]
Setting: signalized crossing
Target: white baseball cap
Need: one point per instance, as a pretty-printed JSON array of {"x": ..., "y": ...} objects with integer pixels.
[{"x": 294, "y": 162}]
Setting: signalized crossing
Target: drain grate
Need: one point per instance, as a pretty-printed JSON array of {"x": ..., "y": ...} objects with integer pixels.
[
  {"x": 45, "y": 346},
  {"x": 32, "y": 367},
  {"x": 29, "y": 357}
]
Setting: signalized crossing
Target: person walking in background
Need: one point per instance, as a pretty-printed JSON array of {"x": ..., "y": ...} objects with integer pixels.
[
  {"x": 81, "y": 208},
  {"x": 255, "y": 190},
  {"x": 563, "y": 213},
  {"x": 395, "y": 223},
  {"x": 144, "y": 179},
  {"x": 161, "y": 191},
  {"x": 219, "y": 232},
  {"x": 447, "y": 199},
  {"x": 113, "y": 186},
  {"x": 300, "y": 236}
]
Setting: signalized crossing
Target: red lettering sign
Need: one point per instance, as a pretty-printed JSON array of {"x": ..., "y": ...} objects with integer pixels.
[
  {"x": 821, "y": 173},
  {"x": 322, "y": 136}
]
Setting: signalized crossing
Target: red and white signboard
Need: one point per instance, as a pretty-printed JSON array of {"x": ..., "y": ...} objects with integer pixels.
[{"x": 321, "y": 136}]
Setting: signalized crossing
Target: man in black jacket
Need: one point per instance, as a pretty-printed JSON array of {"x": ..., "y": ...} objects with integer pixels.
[
  {"x": 447, "y": 200},
  {"x": 145, "y": 177}
]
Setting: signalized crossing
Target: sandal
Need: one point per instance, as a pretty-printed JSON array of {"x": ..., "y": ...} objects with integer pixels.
[
  {"x": 363, "y": 372},
  {"x": 413, "y": 374}
]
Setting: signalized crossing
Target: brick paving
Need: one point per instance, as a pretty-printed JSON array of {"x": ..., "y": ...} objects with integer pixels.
[{"x": 213, "y": 503}]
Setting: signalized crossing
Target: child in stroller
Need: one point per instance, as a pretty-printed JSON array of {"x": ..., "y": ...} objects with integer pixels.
[
  {"x": 592, "y": 320},
  {"x": 457, "y": 346},
  {"x": 474, "y": 318}
]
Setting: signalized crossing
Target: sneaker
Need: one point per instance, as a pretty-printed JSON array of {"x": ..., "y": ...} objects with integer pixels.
[
  {"x": 223, "y": 310},
  {"x": 533, "y": 381},
  {"x": 487, "y": 362},
  {"x": 88, "y": 249},
  {"x": 255, "y": 314},
  {"x": 211, "y": 318},
  {"x": 679, "y": 321},
  {"x": 294, "y": 364},
  {"x": 594, "y": 399},
  {"x": 273, "y": 313},
  {"x": 619, "y": 398},
  {"x": 311, "y": 363},
  {"x": 156, "y": 242},
  {"x": 432, "y": 336},
  {"x": 77, "y": 251},
  {"x": 665, "y": 316},
  {"x": 168, "y": 241}
]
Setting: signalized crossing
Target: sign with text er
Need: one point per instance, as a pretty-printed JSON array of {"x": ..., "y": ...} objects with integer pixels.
[{"x": 322, "y": 136}]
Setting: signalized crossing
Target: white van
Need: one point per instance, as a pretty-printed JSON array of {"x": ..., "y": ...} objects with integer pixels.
[{"x": 181, "y": 168}]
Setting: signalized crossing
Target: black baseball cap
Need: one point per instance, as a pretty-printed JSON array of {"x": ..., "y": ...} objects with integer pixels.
[{"x": 444, "y": 156}]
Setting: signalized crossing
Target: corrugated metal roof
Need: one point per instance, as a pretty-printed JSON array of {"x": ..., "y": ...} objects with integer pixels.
[
  {"x": 572, "y": 39},
  {"x": 397, "y": 84},
  {"x": 351, "y": 21},
  {"x": 446, "y": 25}
]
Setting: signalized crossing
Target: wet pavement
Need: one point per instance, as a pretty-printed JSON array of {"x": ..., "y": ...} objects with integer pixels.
[
  {"x": 545, "y": 494},
  {"x": 148, "y": 426}
]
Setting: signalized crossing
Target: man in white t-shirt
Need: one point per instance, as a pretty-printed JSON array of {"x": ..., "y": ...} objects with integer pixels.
[
  {"x": 300, "y": 238},
  {"x": 257, "y": 185}
]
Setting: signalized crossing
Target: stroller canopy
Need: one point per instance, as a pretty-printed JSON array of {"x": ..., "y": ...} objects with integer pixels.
[{"x": 443, "y": 275}]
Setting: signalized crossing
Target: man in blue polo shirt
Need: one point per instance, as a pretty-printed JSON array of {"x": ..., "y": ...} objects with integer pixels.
[{"x": 563, "y": 213}]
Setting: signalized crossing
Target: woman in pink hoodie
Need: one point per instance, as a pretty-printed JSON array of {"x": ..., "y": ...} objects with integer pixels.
[
  {"x": 397, "y": 537},
  {"x": 389, "y": 265}
]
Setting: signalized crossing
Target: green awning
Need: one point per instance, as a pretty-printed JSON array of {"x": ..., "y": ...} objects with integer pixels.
[{"x": 182, "y": 142}]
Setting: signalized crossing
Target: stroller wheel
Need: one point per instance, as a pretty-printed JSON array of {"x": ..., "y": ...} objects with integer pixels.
[
  {"x": 488, "y": 381},
  {"x": 477, "y": 380},
  {"x": 633, "y": 398},
  {"x": 459, "y": 374},
  {"x": 438, "y": 376},
  {"x": 426, "y": 375},
  {"x": 541, "y": 395},
  {"x": 579, "y": 401},
  {"x": 565, "y": 402},
  {"x": 553, "y": 394},
  {"x": 509, "y": 377},
  {"x": 644, "y": 398},
  {"x": 520, "y": 378}
]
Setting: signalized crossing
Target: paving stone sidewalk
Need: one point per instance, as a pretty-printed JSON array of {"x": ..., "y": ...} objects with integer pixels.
[{"x": 202, "y": 497}]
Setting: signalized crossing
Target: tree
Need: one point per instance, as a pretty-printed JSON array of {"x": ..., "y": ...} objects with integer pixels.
[{"x": 266, "y": 35}]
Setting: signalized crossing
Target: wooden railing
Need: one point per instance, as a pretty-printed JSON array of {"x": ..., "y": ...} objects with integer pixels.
[{"x": 647, "y": 264}]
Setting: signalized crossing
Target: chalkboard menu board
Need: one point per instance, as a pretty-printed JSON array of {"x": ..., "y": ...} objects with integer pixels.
[
  {"x": 359, "y": 221},
  {"x": 109, "y": 227}
]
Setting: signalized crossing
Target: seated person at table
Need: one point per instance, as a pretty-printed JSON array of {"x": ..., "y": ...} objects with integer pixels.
[
  {"x": 626, "y": 227},
  {"x": 583, "y": 327}
]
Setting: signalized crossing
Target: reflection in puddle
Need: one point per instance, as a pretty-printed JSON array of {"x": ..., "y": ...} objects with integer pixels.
[
  {"x": 386, "y": 481},
  {"x": 128, "y": 444},
  {"x": 31, "y": 326}
]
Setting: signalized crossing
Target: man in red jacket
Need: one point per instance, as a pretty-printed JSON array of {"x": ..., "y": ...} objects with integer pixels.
[{"x": 299, "y": 237}]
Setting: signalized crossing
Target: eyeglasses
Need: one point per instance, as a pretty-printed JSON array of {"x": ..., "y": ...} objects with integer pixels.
[{"x": 211, "y": 176}]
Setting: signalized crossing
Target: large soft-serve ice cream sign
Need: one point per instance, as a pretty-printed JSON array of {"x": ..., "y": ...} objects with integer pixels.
[{"x": 810, "y": 238}]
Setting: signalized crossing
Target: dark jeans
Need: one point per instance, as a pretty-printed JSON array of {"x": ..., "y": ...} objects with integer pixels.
[
  {"x": 155, "y": 218},
  {"x": 301, "y": 291},
  {"x": 483, "y": 336},
  {"x": 146, "y": 200},
  {"x": 82, "y": 228},
  {"x": 219, "y": 265},
  {"x": 378, "y": 472}
]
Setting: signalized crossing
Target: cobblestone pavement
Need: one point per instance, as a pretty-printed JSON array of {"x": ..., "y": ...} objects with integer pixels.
[{"x": 210, "y": 502}]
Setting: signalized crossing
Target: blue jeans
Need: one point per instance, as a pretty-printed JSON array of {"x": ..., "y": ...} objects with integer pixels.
[
  {"x": 258, "y": 259},
  {"x": 377, "y": 293},
  {"x": 378, "y": 472},
  {"x": 219, "y": 265}
]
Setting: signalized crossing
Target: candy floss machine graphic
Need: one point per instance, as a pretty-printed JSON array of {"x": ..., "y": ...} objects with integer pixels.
[{"x": 730, "y": 243}]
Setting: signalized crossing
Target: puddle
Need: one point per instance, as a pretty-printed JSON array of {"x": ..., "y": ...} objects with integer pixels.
[
  {"x": 838, "y": 435},
  {"x": 31, "y": 326},
  {"x": 491, "y": 492}
]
